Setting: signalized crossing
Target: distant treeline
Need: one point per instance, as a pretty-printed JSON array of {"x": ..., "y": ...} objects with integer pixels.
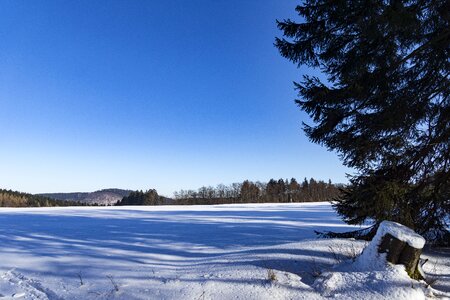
[
  {"x": 277, "y": 191},
  {"x": 10, "y": 198}
]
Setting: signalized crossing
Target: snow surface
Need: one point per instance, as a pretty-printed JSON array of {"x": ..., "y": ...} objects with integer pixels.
[{"x": 193, "y": 252}]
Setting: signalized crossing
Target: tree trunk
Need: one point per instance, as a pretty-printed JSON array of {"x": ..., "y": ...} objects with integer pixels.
[{"x": 400, "y": 252}]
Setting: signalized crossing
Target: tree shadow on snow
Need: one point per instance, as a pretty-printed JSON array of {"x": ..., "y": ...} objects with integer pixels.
[{"x": 165, "y": 238}]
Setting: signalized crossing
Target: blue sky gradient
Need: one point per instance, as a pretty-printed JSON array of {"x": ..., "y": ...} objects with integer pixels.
[{"x": 149, "y": 94}]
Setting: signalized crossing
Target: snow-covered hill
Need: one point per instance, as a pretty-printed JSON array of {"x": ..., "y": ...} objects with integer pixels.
[
  {"x": 250, "y": 251},
  {"x": 103, "y": 197}
]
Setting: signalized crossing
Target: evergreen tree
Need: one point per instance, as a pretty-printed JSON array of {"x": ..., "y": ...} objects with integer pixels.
[
  {"x": 249, "y": 192},
  {"x": 272, "y": 191},
  {"x": 149, "y": 197},
  {"x": 384, "y": 103},
  {"x": 294, "y": 189}
]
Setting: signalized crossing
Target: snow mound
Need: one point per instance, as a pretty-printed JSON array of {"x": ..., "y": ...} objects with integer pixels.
[
  {"x": 400, "y": 232},
  {"x": 350, "y": 281},
  {"x": 370, "y": 276}
]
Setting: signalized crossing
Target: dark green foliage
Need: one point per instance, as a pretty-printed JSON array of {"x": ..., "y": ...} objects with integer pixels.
[
  {"x": 384, "y": 105},
  {"x": 10, "y": 198},
  {"x": 149, "y": 197},
  {"x": 362, "y": 234}
]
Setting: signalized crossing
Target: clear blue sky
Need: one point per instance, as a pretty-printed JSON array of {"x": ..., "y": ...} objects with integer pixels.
[{"x": 149, "y": 94}]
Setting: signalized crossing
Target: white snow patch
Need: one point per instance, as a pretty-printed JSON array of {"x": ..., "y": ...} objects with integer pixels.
[
  {"x": 352, "y": 280},
  {"x": 400, "y": 232}
]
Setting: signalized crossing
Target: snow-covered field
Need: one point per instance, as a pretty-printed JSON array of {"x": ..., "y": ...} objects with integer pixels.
[{"x": 250, "y": 251}]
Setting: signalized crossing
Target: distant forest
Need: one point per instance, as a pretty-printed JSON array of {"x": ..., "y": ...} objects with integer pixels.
[
  {"x": 10, "y": 198},
  {"x": 277, "y": 191},
  {"x": 149, "y": 197}
]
